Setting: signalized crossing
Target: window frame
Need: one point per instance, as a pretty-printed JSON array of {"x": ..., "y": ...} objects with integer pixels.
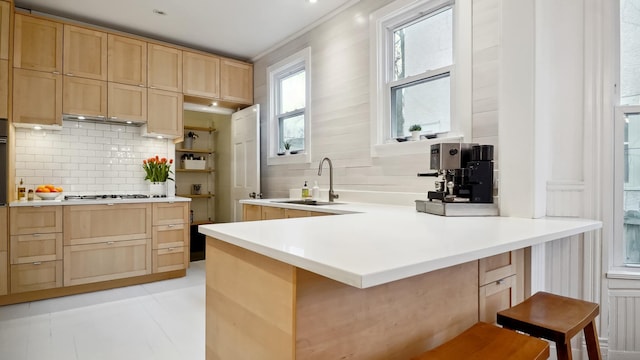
[
  {"x": 382, "y": 24},
  {"x": 301, "y": 60}
]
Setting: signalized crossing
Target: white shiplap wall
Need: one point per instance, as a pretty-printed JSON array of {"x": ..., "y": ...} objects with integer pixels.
[{"x": 87, "y": 158}]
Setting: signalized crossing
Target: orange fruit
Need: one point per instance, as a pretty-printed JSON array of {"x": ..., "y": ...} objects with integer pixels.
[
  {"x": 59, "y": 189},
  {"x": 50, "y": 187}
]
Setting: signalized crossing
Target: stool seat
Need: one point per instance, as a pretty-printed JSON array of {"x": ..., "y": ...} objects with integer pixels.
[
  {"x": 556, "y": 318},
  {"x": 483, "y": 341}
]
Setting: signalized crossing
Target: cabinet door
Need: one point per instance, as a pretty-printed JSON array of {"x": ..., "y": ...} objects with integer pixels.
[
  {"x": 5, "y": 19},
  {"x": 170, "y": 213},
  {"x": 292, "y": 213},
  {"x": 165, "y": 68},
  {"x": 106, "y": 261},
  {"x": 36, "y": 247},
  {"x": 270, "y": 213},
  {"x": 201, "y": 75},
  {"x": 164, "y": 113},
  {"x": 127, "y": 61},
  {"x": 497, "y": 296},
  {"x": 127, "y": 102},
  {"x": 89, "y": 224},
  {"x": 170, "y": 259},
  {"x": 4, "y": 229},
  {"x": 251, "y": 212},
  {"x": 4, "y": 274},
  {"x": 27, "y": 220},
  {"x": 166, "y": 236},
  {"x": 37, "y": 97},
  {"x": 236, "y": 81},
  {"x": 4, "y": 89},
  {"x": 37, "y": 44},
  {"x": 84, "y": 96},
  {"x": 36, "y": 276},
  {"x": 85, "y": 53}
]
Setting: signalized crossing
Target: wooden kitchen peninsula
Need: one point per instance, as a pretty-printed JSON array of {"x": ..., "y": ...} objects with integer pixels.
[{"x": 377, "y": 282}]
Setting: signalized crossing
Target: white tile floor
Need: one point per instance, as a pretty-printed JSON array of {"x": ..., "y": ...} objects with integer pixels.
[{"x": 161, "y": 320}]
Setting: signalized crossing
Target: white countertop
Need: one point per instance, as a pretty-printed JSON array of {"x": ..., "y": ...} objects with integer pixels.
[
  {"x": 372, "y": 244},
  {"x": 38, "y": 202}
]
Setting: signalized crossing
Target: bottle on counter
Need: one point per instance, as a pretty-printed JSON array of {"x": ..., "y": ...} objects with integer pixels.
[
  {"x": 305, "y": 191},
  {"x": 22, "y": 195},
  {"x": 315, "y": 191},
  {"x": 30, "y": 195}
]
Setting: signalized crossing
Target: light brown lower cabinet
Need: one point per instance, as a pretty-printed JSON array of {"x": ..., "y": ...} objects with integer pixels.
[
  {"x": 166, "y": 236},
  {"x": 106, "y": 261},
  {"x": 36, "y": 276},
  {"x": 251, "y": 212},
  {"x": 36, "y": 247},
  {"x": 4, "y": 276},
  {"x": 499, "y": 284},
  {"x": 169, "y": 259},
  {"x": 90, "y": 224}
]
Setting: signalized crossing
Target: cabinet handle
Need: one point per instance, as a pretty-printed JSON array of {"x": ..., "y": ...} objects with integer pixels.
[
  {"x": 55, "y": 72},
  {"x": 69, "y": 74},
  {"x": 37, "y": 263},
  {"x": 171, "y": 249},
  {"x": 171, "y": 225},
  {"x": 110, "y": 204},
  {"x": 36, "y": 235},
  {"x": 110, "y": 242},
  {"x": 499, "y": 282},
  {"x": 152, "y": 87},
  {"x": 141, "y": 85}
]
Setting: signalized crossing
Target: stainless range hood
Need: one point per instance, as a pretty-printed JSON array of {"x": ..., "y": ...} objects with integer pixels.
[{"x": 102, "y": 120}]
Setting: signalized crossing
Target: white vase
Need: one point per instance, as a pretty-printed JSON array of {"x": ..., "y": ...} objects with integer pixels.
[
  {"x": 158, "y": 189},
  {"x": 287, "y": 151},
  {"x": 415, "y": 135}
]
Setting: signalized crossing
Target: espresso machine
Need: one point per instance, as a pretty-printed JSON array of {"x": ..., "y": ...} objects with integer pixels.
[{"x": 464, "y": 184}]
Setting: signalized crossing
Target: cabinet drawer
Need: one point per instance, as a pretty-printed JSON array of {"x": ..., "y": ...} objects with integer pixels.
[
  {"x": 173, "y": 258},
  {"x": 36, "y": 247},
  {"x": 292, "y": 213},
  {"x": 35, "y": 220},
  {"x": 496, "y": 296},
  {"x": 496, "y": 267},
  {"x": 36, "y": 276},
  {"x": 170, "y": 213},
  {"x": 270, "y": 213},
  {"x": 106, "y": 261},
  {"x": 4, "y": 278},
  {"x": 251, "y": 212},
  {"x": 91, "y": 224},
  {"x": 166, "y": 236}
]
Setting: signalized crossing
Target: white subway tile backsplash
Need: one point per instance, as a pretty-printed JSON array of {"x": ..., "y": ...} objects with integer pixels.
[{"x": 87, "y": 157}]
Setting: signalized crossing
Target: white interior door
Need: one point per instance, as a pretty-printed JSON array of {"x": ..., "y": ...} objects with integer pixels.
[{"x": 245, "y": 162}]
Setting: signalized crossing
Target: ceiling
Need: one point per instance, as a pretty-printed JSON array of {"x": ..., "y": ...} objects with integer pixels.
[{"x": 243, "y": 29}]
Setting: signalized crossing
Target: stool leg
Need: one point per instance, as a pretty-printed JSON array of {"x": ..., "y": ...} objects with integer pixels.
[
  {"x": 564, "y": 351},
  {"x": 591, "y": 337}
]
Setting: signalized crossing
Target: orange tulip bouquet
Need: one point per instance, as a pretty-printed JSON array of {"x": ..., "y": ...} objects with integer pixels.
[{"x": 157, "y": 169}]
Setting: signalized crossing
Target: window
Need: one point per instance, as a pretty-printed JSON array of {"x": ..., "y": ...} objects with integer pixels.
[
  {"x": 413, "y": 82},
  {"x": 289, "y": 122},
  {"x": 627, "y": 140}
]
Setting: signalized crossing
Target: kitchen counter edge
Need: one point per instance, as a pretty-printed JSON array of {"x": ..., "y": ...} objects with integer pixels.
[{"x": 38, "y": 203}]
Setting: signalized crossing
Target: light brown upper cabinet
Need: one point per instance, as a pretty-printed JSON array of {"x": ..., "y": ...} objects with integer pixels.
[
  {"x": 201, "y": 75},
  {"x": 236, "y": 81},
  {"x": 165, "y": 68},
  {"x": 127, "y": 61},
  {"x": 85, "y": 53},
  {"x": 37, "y": 97},
  {"x": 5, "y": 13},
  {"x": 84, "y": 96},
  {"x": 164, "y": 113},
  {"x": 37, "y": 44},
  {"x": 4, "y": 89},
  {"x": 127, "y": 102}
]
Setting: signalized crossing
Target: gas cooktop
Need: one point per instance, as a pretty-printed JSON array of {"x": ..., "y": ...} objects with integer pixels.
[{"x": 107, "y": 196}]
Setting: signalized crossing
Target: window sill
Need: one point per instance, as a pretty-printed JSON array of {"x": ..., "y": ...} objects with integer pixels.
[
  {"x": 410, "y": 147},
  {"x": 301, "y": 158},
  {"x": 624, "y": 278}
]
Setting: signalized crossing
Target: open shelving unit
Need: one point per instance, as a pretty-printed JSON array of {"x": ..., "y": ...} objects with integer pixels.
[{"x": 203, "y": 204}]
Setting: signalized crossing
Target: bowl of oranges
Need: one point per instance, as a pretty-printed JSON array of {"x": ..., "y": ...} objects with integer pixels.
[{"x": 48, "y": 192}]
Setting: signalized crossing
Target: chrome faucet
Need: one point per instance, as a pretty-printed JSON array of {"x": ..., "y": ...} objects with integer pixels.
[{"x": 332, "y": 195}]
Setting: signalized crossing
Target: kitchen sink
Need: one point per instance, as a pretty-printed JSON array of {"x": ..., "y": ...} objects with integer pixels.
[{"x": 307, "y": 202}]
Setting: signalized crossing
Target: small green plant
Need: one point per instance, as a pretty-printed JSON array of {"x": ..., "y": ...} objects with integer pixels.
[
  {"x": 286, "y": 145},
  {"x": 415, "y": 127}
]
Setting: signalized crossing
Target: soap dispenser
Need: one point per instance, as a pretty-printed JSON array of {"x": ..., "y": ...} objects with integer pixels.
[
  {"x": 305, "y": 190},
  {"x": 315, "y": 191}
]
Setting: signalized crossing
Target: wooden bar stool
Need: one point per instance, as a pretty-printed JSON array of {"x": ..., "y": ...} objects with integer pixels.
[
  {"x": 487, "y": 342},
  {"x": 556, "y": 318}
]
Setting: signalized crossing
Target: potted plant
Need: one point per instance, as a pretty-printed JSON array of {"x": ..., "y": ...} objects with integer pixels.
[
  {"x": 188, "y": 140},
  {"x": 415, "y": 132},
  {"x": 157, "y": 171},
  {"x": 287, "y": 146}
]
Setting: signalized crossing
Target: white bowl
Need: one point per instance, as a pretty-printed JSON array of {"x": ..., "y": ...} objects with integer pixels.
[{"x": 49, "y": 195}]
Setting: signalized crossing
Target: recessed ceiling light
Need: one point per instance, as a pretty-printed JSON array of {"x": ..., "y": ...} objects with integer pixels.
[
  {"x": 160, "y": 137},
  {"x": 80, "y": 117},
  {"x": 159, "y": 12},
  {"x": 215, "y": 103},
  {"x": 313, "y": 1},
  {"x": 129, "y": 122},
  {"x": 37, "y": 128}
]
